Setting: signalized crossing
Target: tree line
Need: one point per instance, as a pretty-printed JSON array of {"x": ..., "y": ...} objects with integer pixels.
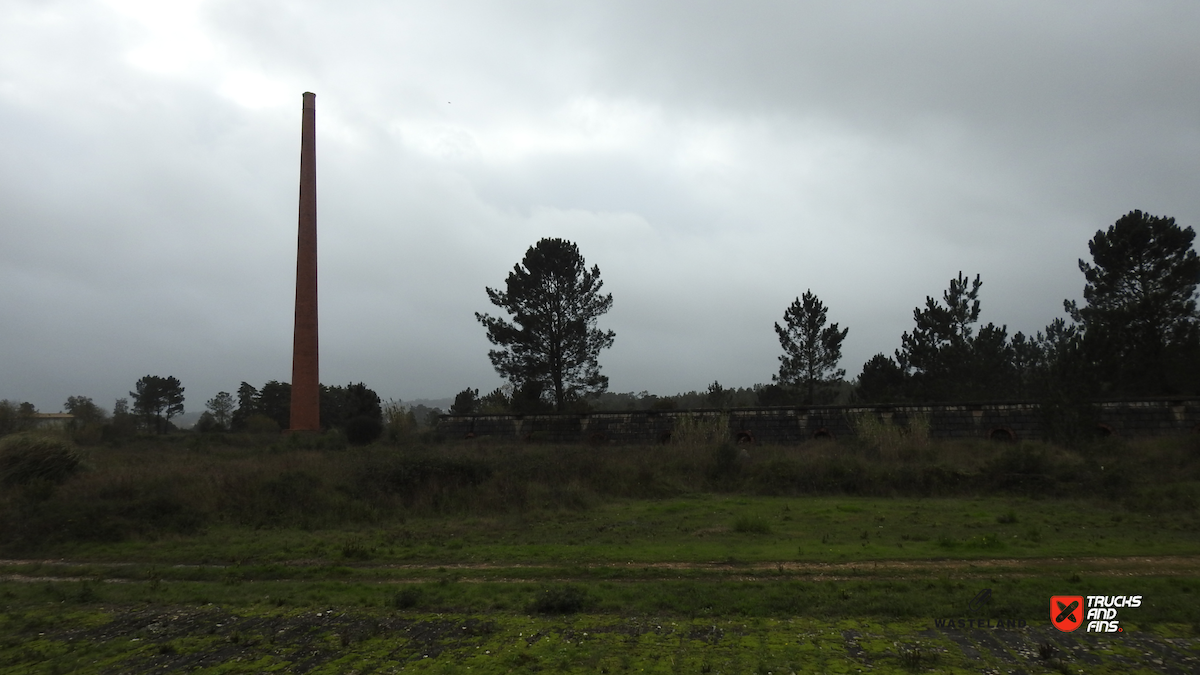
[
  {"x": 1137, "y": 334},
  {"x": 353, "y": 409}
]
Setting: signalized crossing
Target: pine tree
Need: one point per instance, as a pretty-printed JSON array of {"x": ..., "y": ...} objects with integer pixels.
[
  {"x": 811, "y": 350},
  {"x": 1139, "y": 320},
  {"x": 551, "y": 346}
]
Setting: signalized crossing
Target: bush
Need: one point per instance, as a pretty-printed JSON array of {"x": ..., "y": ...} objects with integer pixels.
[
  {"x": 333, "y": 439},
  {"x": 123, "y": 426},
  {"x": 559, "y": 600},
  {"x": 1024, "y": 468},
  {"x": 91, "y": 433},
  {"x": 110, "y": 514},
  {"x": 751, "y": 525},
  {"x": 1022, "y": 460},
  {"x": 208, "y": 423},
  {"x": 1069, "y": 421},
  {"x": 889, "y": 440},
  {"x": 1166, "y": 498},
  {"x": 724, "y": 462},
  {"x": 261, "y": 424},
  {"x": 467, "y": 402},
  {"x": 407, "y": 597},
  {"x": 363, "y": 430},
  {"x": 418, "y": 478},
  {"x": 399, "y": 422},
  {"x": 28, "y": 457}
]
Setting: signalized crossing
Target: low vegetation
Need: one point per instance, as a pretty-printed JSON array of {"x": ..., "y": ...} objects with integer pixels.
[
  {"x": 29, "y": 459},
  {"x": 181, "y": 485},
  {"x": 308, "y": 554}
]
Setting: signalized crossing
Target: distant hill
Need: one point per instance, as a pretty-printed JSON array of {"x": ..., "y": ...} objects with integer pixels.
[
  {"x": 443, "y": 403},
  {"x": 187, "y": 420}
]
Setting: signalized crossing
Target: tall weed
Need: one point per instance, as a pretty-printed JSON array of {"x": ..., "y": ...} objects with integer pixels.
[
  {"x": 698, "y": 430},
  {"x": 889, "y": 440}
]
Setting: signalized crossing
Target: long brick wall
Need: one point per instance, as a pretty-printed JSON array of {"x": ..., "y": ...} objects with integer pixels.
[{"x": 1005, "y": 421}]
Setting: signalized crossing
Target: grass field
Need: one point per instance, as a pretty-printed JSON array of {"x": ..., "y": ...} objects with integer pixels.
[{"x": 229, "y": 556}]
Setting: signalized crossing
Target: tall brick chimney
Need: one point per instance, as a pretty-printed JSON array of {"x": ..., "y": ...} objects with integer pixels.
[{"x": 306, "y": 394}]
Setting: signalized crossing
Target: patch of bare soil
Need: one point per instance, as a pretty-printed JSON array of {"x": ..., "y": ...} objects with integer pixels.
[{"x": 184, "y": 639}]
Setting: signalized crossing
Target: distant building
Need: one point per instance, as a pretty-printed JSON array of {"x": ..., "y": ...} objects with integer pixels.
[{"x": 52, "y": 420}]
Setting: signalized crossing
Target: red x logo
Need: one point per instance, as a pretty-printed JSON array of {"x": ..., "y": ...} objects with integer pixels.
[{"x": 1066, "y": 612}]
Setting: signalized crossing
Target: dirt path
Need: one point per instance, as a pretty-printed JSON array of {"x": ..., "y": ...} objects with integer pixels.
[{"x": 1131, "y": 566}]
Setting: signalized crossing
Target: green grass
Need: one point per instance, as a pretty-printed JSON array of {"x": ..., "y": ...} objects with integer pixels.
[
  {"x": 918, "y": 594},
  {"x": 697, "y": 529},
  {"x": 478, "y": 558}
]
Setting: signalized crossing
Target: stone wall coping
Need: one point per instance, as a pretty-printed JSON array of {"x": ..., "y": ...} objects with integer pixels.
[{"x": 855, "y": 408}]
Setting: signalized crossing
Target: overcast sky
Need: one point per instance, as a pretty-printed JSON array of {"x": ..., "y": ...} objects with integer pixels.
[{"x": 715, "y": 159}]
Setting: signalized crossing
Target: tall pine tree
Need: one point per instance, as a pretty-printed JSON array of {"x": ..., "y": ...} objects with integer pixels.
[
  {"x": 1139, "y": 320},
  {"x": 551, "y": 346},
  {"x": 811, "y": 350}
]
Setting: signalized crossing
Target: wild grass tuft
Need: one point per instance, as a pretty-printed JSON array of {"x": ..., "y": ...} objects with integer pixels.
[
  {"x": 752, "y": 525},
  {"x": 356, "y": 550}
]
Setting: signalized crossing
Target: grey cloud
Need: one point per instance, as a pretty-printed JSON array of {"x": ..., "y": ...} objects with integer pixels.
[{"x": 733, "y": 156}]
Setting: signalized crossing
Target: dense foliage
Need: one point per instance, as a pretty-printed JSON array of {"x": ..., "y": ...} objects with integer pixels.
[
  {"x": 158, "y": 399},
  {"x": 342, "y": 407},
  {"x": 1138, "y": 333},
  {"x": 1140, "y": 323}
]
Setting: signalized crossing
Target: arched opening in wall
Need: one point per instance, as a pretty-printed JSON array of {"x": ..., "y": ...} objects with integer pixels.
[
  {"x": 1003, "y": 435},
  {"x": 469, "y": 436},
  {"x": 664, "y": 438},
  {"x": 822, "y": 434},
  {"x": 745, "y": 437},
  {"x": 1104, "y": 431}
]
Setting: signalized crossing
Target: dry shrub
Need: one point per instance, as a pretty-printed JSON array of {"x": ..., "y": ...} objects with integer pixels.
[{"x": 29, "y": 457}]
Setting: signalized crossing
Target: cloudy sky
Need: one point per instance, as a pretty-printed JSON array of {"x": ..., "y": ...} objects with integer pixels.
[{"x": 715, "y": 159}]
